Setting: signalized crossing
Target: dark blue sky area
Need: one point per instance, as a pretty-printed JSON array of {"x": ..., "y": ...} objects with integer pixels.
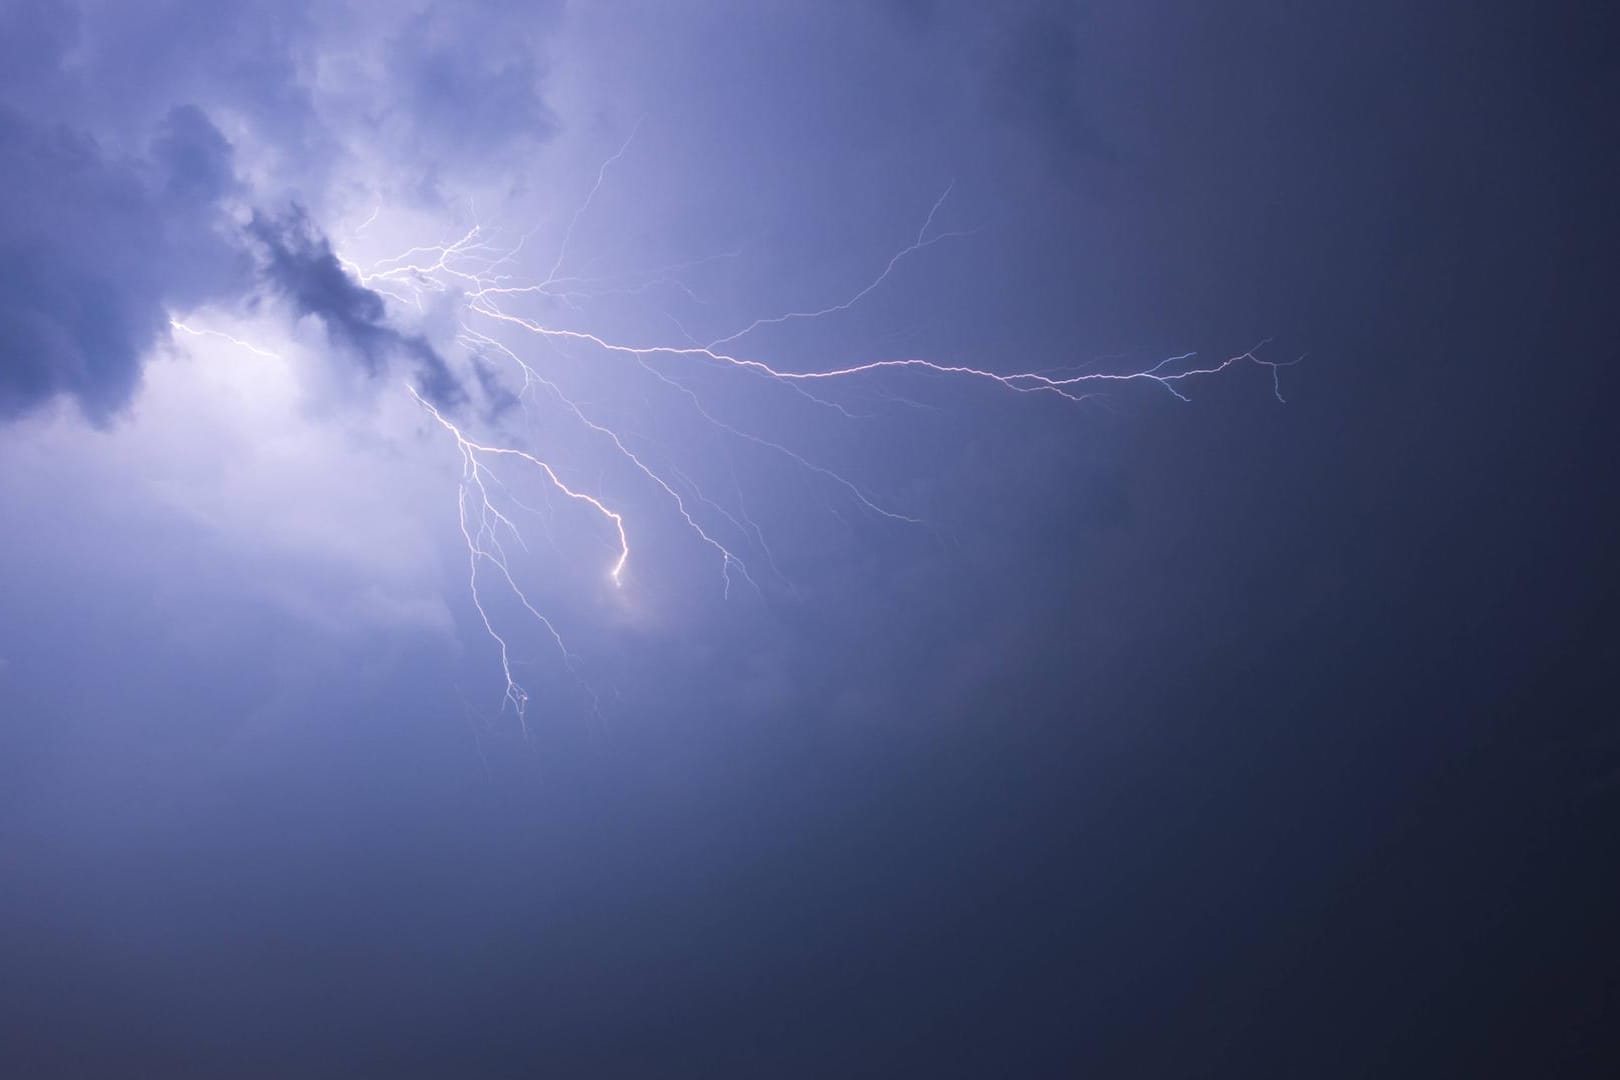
[{"x": 1228, "y": 737}]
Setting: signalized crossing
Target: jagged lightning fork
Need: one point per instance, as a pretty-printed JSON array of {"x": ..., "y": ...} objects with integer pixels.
[
  {"x": 477, "y": 270},
  {"x": 484, "y": 546}
]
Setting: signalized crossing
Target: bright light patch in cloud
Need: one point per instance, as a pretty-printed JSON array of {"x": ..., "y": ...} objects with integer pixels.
[{"x": 365, "y": 330}]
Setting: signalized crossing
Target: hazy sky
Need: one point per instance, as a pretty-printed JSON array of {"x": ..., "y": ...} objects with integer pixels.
[{"x": 931, "y": 727}]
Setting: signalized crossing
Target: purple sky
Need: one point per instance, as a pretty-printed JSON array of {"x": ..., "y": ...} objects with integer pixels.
[{"x": 935, "y": 724}]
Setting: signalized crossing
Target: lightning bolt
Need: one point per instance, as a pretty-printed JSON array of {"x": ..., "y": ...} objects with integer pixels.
[
  {"x": 478, "y": 273},
  {"x": 238, "y": 342},
  {"x": 482, "y": 522}
]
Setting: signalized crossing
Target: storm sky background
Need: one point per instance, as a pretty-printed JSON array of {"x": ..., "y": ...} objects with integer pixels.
[{"x": 1221, "y": 737}]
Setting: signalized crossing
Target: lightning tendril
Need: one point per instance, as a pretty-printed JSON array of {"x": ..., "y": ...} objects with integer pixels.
[{"x": 479, "y": 277}]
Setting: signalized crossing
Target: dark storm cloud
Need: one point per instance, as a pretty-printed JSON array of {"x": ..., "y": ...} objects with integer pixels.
[
  {"x": 114, "y": 69},
  {"x": 300, "y": 265},
  {"x": 121, "y": 194},
  {"x": 194, "y": 159},
  {"x": 95, "y": 249}
]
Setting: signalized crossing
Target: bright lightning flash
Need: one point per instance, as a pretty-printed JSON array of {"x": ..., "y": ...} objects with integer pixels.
[{"x": 478, "y": 275}]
